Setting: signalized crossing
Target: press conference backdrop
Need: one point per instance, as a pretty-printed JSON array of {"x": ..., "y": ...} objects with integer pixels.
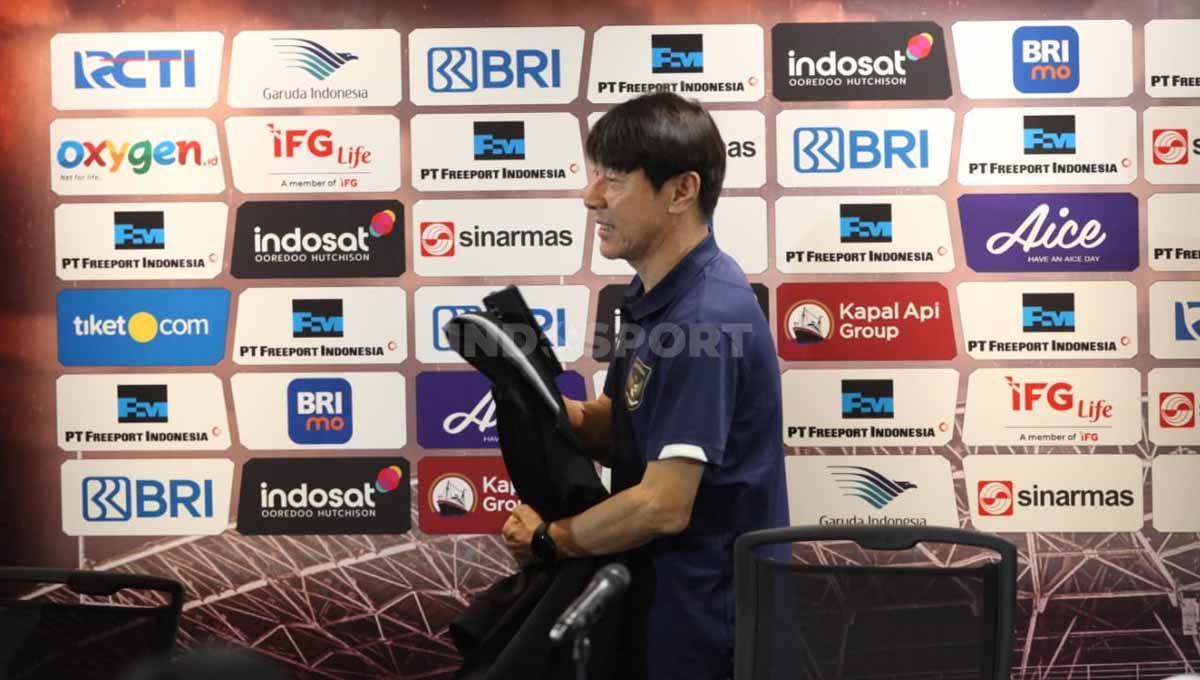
[{"x": 235, "y": 230}]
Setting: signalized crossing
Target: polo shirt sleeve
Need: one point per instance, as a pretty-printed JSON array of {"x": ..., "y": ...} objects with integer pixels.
[
  {"x": 690, "y": 398},
  {"x": 611, "y": 380}
]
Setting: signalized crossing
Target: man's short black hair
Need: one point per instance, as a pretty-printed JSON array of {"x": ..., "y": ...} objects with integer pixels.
[{"x": 664, "y": 135}]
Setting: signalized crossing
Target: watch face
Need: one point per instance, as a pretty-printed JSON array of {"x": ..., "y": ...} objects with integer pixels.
[{"x": 542, "y": 545}]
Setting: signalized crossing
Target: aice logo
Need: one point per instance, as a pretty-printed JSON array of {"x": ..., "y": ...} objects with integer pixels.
[
  {"x": 865, "y": 222},
  {"x": 455, "y": 409},
  {"x": 995, "y": 498},
  {"x": 836, "y": 149},
  {"x": 501, "y": 140},
  {"x": 1177, "y": 409},
  {"x": 139, "y": 157},
  {"x": 1059, "y": 397},
  {"x": 312, "y": 57},
  {"x": 1187, "y": 320},
  {"x": 868, "y": 485},
  {"x": 142, "y": 403},
  {"x": 437, "y": 239},
  {"x": 318, "y": 318},
  {"x": 320, "y": 411},
  {"x": 1171, "y": 146},
  {"x": 124, "y": 499},
  {"x": 139, "y": 230},
  {"x": 868, "y": 399},
  {"x": 135, "y": 69},
  {"x": 553, "y": 323},
  {"x": 290, "y": 143},
  {"x": 1048, "y": 312},
  {"x": 677, "y": 53},
  {"x": 1045, "y": 59},
  {"x": 467, "y": 69},
  {"x": 1049, "y": 134}
]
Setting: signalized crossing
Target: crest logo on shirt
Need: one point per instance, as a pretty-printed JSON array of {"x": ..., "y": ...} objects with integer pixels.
[{"x": 635, "y": 384}]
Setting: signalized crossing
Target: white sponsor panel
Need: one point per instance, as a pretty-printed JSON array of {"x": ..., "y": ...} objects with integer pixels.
[
  {"x": 1059, "y": 492},
  {"x": 314, "y": 154},
  {"x": 1021, "y": 320},
  {"x": 499, "y": 237},
  {"x": 709, "y": 63},
  {"x": 1048, "y": 146},
  {"x": 1173, "y": 406},
  {"x": 487, "y": 66},
  {"x": 739, "y": 227},
  {"x": 146, "y": 497},
  {"x": 598, "y": 383},
  {"x": 320, "y": 410},
  {"x": 862, "y": 234},
  {"x": 497, "y": 152},
  {"x": 100, "y": 156},
  {"x": 1174, "y": 240},
  {"x": 300, "y": 69},
  {"x": 1053, "y": 407},
  {"x": 1174, "y": 480},
  {"x": 870, "y": 491},
  {"x": 123, "y": 241},
  {"x": 562, "y": 312},
  {"x": 142, "y": 412},
  {"x": 863, "y": 147},
  {"x": 1044, "y": 59},
  {"x": 1175, "y": 320},
  {"x": 350, "y": 325},
  {"x": 1171, "y": 140},
  {"x": 1172, "y": 58},
  {"x": 869, "y": 407},
  {"x": 168, "y": 70}
]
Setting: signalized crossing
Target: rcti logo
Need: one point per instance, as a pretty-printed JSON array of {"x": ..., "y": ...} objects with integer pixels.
[
  {"x": 135, "y": 69},
  {"x": 139, "y": 230},
  {"x": 121, "y": 499},
  {"x": 313, "y": 58},
  {"x": 453, "y": 495},
  {"x": 995, "y": 498},
  {"x": 317, "y": 144},
  {"x": 1171, "y": 146},
  {"x": 320, "y": 411},
  {"x": 835, "y": 149},
  {"x": 1058, "y": 396},
  {"x": 141, "y": 403},
  {"x": 499, "y": 140},
  {"x": 677, "y": 53},
  {"x": 1177, "y": 410},
  {"x": 868, "y": 399},
  {"x": 1187, "y": 320},
  {"x": 1045, "y": 59},
  {"x": 465, "y": 69},
  {"x": 865, "y": 222},
  {"x": 437, "y": 239},
  {"x": 869, "y": 485},
  {"x": 809, "y": 321},
  {"x": 1049, "y": 135},
  {"x": 317, "y": 318},
  {"x": 141, "y": 155},
  {"x": 1048, "y": 312}
]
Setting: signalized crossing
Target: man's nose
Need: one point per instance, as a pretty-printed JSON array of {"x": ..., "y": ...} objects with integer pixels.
[{"x": 593, "y": 196}]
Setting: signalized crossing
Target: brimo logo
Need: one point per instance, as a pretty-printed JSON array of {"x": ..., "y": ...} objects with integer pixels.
[{"x": 142, "y": 155}]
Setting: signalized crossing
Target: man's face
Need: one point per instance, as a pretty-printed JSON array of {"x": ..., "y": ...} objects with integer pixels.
[{"x": 630, "y": 215}]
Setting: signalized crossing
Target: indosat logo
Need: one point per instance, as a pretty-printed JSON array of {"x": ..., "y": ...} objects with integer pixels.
[
  {"x": 140, "y": 157},
  {"x": 301, "y": 245},
  {"x": 150, "y": 327},
  {"x": 833, "y": 69}
]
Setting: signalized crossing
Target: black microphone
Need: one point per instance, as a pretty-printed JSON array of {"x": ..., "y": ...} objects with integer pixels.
[{"x": 606, "y": 586}]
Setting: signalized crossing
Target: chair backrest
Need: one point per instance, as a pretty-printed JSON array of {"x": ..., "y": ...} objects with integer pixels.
[
  {"x": 58, "y": 634},
  {"x": 863, "y": 609}
]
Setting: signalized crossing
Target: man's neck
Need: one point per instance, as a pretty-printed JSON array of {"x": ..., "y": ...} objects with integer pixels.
[{"x": 662, "y": 259}]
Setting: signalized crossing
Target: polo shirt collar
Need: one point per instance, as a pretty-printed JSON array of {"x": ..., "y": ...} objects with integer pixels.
[{"x": 641, "y": 305}]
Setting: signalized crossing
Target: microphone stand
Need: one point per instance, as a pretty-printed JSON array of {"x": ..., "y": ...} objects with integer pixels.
[{"x": 580, "y": 651}]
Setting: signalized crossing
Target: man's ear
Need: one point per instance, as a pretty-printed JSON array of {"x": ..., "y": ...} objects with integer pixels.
[{"x": 684, "y": 191}]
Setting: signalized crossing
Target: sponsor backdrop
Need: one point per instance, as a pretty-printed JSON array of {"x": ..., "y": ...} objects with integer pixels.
[{"x": 234, "y": 231}]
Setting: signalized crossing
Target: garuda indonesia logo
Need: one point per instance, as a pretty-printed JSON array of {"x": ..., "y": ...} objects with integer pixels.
[
  {"x": 867, "y": 484},
  {"x": 312, "y": 57}
]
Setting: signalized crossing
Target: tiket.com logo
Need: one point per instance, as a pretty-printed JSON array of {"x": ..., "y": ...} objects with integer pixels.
[
  {"x": 865, "y": 223},
  {"x": 1187, "y": 320},
  {"x": 1177, "y": 410},
  {"x": 868, "y": 485},
  {"x": 437, "y": 239},
  {"x": 453, "y": 495},
  {"x": 834, "y": 65},
  {"x": 553, "y": 323},
  {"x": 122, "y": 499},
  {"x": 868, "y": 399},
  {"x": 502, "y": 140},
  {"x": 135, "y": 69},
  {"x": 1045, "y": 59},
  {"x": 1058, "y": 397},
  {"x": 995, "y": 498},
  {"x": 1049, "y": 135},
  {"x": 466, "y": 69},
  {"x": 140, "y": 327},
  {"x": 317, "y": 144},
  {"x": 139, "y": 230},
  {"x": 835, "y": 149},
  {"x": 320, "y": 411},
  {"x": 677, "y": 53},
  {"x": 1171, "y": 146},
  {"x": 1048, "y": 312},
  {"x": 141, "y": 155},
  {"x": 318, "y": 318},
  {"x": 313, "y": 58},
  {"x": 142, "y": 403}
]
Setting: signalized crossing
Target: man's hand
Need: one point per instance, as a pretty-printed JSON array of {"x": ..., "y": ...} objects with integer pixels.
[{"x": 518, "y": 533}]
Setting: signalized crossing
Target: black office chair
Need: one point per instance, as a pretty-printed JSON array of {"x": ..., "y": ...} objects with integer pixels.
[
  {"x": 865, "y": 614},
  {"x": 59, "y": 635}
]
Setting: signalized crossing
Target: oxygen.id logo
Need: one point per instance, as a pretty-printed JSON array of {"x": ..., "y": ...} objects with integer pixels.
[{"x": 138, "y": 157}]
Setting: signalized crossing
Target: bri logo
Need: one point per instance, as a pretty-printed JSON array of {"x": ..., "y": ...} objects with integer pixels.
[{"x": 141, "y": 155}]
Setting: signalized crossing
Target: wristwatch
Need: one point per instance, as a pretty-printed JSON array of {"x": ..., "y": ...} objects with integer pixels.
[{"x": 542, "y": 545}]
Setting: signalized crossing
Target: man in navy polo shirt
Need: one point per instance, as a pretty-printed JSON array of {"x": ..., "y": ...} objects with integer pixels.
[{"x": 691, "y": 419}]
